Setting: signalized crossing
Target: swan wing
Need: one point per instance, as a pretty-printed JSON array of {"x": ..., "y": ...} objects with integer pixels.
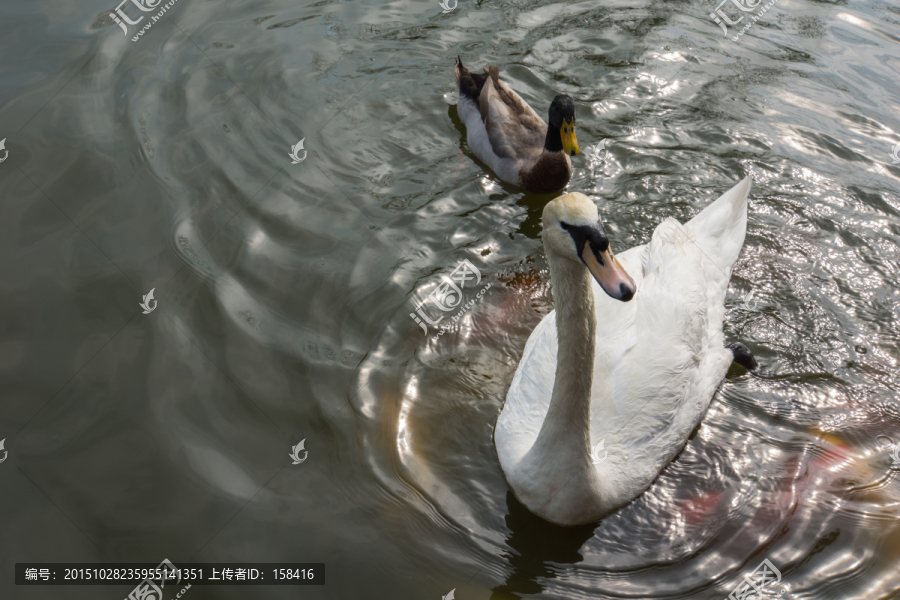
[
  {"x": 719, "y": 231},
  {"x": 654, "y": 382},
  {"x": 648, "y": 357},
  {"x": 720, "y": 228},
  {"x": 528, "y": 397}
]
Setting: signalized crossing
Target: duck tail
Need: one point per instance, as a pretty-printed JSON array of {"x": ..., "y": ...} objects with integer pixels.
[
  {"x": 469, "y": 83},
  {"x": 460, "y": 71}
]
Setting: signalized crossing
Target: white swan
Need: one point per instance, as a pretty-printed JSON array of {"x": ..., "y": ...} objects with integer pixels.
[{"x": 635, "y": 376}]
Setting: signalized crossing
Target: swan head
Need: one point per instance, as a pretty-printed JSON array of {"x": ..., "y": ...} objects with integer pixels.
[{"x": 573, "y": 231}]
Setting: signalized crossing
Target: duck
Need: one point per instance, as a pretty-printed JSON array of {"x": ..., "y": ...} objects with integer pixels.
[
  {"x": 509, "y": 136},
  {"x": 613, "y": 381}
]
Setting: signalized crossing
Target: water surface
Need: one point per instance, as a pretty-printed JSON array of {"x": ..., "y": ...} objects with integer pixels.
[{"x": 284, "y": 292}]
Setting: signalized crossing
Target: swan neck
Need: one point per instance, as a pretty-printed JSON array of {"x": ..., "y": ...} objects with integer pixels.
[
  {"x": 575, "y": 325},
  {"x": 567, "y": 426}
]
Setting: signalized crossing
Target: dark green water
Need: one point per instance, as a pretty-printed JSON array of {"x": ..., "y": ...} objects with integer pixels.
[{"x": 284, "y": 292}]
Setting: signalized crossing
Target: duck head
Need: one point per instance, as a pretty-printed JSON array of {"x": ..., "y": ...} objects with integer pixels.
[
  {"x": 561, "y": 132},
  {"x": 573, "y": 231}
]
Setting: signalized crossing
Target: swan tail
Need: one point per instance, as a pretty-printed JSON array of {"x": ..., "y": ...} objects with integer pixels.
[{"x": 720, "y": 227}]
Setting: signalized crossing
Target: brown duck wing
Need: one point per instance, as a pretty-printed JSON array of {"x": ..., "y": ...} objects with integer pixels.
[{"x": 514, "y": 129}]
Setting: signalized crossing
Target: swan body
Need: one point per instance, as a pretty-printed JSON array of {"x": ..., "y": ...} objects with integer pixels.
[
  {"x": 505, "y": 132},
  {"x": 635, "y": 376}
]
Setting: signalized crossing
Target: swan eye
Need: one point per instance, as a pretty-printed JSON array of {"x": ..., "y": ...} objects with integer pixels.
[{"x": 585, "y": 235}]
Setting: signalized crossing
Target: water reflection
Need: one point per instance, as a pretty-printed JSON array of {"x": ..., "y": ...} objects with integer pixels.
[{"x": 539, "y": 550}]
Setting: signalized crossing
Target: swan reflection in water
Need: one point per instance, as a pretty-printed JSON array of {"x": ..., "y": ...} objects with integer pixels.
[{"x": 535, "y": 544}]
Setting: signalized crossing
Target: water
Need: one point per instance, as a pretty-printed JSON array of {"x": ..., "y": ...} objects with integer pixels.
[{"x": 284, "y": 292}]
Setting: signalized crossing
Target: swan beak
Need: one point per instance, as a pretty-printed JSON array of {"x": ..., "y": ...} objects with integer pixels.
[
  {"x": 567, "y": 134},
  {"x": 609, "y": 273}
]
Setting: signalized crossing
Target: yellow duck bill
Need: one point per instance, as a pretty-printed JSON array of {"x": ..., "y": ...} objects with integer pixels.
[{"x": 569, "y": 141}]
